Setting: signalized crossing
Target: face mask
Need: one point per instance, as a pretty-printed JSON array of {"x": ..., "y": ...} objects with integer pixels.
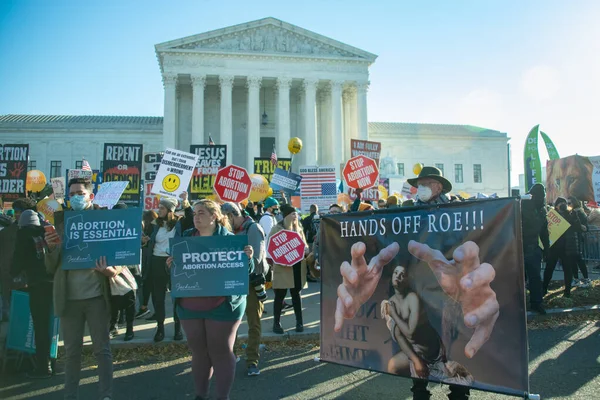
[
  {"x": 562, "y": 207},
  {"x": 78, "y": 202},
  {"x": 275, "y": 212},
  {"x": 424, "y": 193}
]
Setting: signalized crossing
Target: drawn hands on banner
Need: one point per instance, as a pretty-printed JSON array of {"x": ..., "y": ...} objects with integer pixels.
[
  {"x": 360, "y": 280},
  {"x": 466, "y": 281}
]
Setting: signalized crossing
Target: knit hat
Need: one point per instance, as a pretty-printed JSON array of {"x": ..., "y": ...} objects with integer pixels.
[
  {"x": 270, "y": 202},
  {"x": 169, "y": 203},
  {"x": 559, "y": 200},
  {"x": 29, "y": 218},
  {"x": 286, "y": 210}
]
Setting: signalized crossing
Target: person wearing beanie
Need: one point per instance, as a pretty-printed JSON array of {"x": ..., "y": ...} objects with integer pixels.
[
  {"x": 28, "y": 259},
  {"x": 292, "y": 278},
  {"x": 565, "y": 249},
  {"x": 268, "y": 219},
  {"x": 166, "y": 226},
  {"x": 393, "y": 202}
]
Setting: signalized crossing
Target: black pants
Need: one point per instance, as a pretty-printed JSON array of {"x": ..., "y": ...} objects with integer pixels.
[
  {"x": 420, "y": 391},
  {"x": 296, "y": 298},
  {"x": 161, "y": 281},
  {"x": 40, "y": 304},
  {"x": 569, "y": 263},
  {"x": 581, "y": 264},
  {"x": 146, "y": 285},
  {"x": 125, "y": 302},
  {"x": 533, "y": 267}
]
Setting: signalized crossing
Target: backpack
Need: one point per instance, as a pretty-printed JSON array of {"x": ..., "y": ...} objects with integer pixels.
[{"x": 263, "y": 266}]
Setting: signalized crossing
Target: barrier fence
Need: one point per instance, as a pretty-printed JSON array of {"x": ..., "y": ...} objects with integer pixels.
[{"x": 591, "y": 245}]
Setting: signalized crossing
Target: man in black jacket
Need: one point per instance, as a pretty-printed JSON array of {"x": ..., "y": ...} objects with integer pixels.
[{"x": 535, "y": 228}]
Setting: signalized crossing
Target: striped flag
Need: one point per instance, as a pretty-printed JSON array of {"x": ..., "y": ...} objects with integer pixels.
[
  {"x": 274, "y": 157},
  {"x": 85, "y": 166},
  {"x": 318, "y": 181},
  {"x": 211, "y": 142}
]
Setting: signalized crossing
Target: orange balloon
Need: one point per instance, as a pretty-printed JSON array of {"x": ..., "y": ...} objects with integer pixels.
[{"x": 36, "y": 181}]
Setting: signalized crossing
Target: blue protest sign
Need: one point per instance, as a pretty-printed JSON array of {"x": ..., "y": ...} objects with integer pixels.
[
  {"x": 90, "y": 234},
  {"x": 21, "y": 336},
  {"x": 289, "y": 182},
  {"x": 209, "y": 266}
]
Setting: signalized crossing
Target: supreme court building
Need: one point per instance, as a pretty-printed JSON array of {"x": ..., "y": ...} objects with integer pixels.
[{"x": 252, "y": 87}]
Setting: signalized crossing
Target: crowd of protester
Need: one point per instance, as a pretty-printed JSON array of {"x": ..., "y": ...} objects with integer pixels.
[{"x": 108, "y": 298}]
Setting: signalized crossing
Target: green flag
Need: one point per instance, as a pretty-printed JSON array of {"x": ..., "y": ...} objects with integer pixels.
[
  {"x": 552, "y": 152},
  {"x": 533, "y": 167}
]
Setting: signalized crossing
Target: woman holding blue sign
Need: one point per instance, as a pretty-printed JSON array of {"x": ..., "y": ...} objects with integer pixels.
[
  {"x": 211, "y": 323},
  {"x": 166, "y": 226}
]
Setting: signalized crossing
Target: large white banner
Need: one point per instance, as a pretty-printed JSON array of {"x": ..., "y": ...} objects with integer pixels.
[
  {"x": 596, "y": 177},
  {"x": 174, "y": 173}
]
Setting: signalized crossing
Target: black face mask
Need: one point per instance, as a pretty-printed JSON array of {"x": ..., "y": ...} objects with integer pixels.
[{"x": 562, "y": 207}]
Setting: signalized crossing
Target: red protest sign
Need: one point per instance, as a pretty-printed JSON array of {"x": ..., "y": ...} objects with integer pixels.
[
  {"x": 361, "y": 172},
  {"x": 233, "y": 184},
  {"x": 286, "y": 248}
]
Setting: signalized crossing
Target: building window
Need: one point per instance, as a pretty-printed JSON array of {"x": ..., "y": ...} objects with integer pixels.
[
  {"x": 477, "y": 178},
  {"x": 55, "y": 167},
  {"x": 440, "y": 167},
  {"x": 458, "y": 173},
  {"x": 78, "y": 164},
  {"x": 400, "y": 167},
  {"x": 31, "y": 165}
]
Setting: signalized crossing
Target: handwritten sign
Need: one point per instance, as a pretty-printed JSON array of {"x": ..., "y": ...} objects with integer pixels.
[
  {"x": 110, "y": 193},
  {"x": 174, "y": 173}
]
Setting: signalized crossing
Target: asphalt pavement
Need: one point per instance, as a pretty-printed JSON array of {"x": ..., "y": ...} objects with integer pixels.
[{"x": 564, "y": 364}]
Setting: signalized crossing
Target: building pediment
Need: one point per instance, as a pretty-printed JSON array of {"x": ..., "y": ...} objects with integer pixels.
[{"x": 267, "y": 36}]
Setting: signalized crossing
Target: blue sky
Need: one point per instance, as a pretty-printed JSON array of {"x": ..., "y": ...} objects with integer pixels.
[{"x": 504, "y": 65}]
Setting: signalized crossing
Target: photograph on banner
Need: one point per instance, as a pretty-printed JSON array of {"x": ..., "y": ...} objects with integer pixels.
[
  {"x": 365, "y": 148},
  {"x": 21, "y": 336},
  {"x": 109, "y": 193},
  {"x": 175, "y": 172},
  {"x": 209, "y": 266},
  {"x": 58, "y": 187},
  {"x": 318, "y": 187},
  {"x": 211, "y": 158},
  {"x": 361, "y": 172},
  {"x": 123, "y": 163},
  {"x": 284, "y": 180},
  {"x": 90, "y": 234},
  {"x": 233, "y": 183},
  {"x": 571, "y": 176},
  {"x": 13, "y": 171},
  {"x": 439, "y": 293}
]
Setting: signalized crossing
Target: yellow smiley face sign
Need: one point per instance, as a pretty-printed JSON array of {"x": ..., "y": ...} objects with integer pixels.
[{"x": 171, "y": 183}]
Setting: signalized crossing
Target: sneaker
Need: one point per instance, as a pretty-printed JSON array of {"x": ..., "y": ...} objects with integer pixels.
[
  {"x": 299, "y": 327},
  {"x": 575, "y": 283},
  {"x": 178, "y": 335},
  {"x": 277, "y": 328},
  {"x": 586, "y": 283},
  {"x": 128, "y": 336},
  {"x": 142, "y": 313},
  {"x": 253, "y": 370},
  {"x": 237, "y": 359},
  {"x": 114, "y": 331}
]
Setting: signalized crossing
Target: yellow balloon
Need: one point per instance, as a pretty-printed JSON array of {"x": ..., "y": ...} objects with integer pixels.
[
  {"x": 270, "y": 192},
  {"x": 417, "y": 168},
  {"x": 295, "y": 145},
  {"x": 47, "y": 207},
  {"x": 36, "y": 181},
  {"x": 260, "y": 188},
  {"x": 383, "y": 193}
]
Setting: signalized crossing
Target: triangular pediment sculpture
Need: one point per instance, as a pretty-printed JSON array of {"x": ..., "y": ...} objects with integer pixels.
[{"x": 267, "y": 36}]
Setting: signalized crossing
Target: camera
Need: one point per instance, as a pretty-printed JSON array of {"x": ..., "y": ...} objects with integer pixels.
[{"x": 257, "y": 281}]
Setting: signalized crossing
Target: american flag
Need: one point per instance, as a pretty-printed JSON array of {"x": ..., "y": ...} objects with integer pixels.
[
  {"x": 85, "y": 166},
  {"x": 318, "y": 181},
  {"x": 211, "y": 142},
  {"x": 274, "y": 157}
]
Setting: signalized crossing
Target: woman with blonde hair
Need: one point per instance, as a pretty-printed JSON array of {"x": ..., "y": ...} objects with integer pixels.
[
  {"x": 292, "y": 278},
  {"x": 211, "y": 323}
]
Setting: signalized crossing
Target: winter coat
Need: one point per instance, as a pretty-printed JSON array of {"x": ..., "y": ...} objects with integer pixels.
[
  {"x": 283, "y": 276},
  {"x": 30, "y": 258}
]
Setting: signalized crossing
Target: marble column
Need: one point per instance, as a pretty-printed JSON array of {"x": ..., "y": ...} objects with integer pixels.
[
  {"x": 283, "y": 116},
  {"x": 226, "y": 84},
  {"x": 198, "y": 85},
  {"x": 310, "y": 128},
  {"x": 253, "y": 141},
  {"x": 170, "y": 117},
  {"x": 300, "y": 159},
  {"x": 335, "y": 133},
  {"x": 363, "y": 123},
  {"x": 324, "y": 150}
]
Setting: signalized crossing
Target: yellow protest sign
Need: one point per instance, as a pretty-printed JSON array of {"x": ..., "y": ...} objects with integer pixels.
[{"x": 557, "y": 226}]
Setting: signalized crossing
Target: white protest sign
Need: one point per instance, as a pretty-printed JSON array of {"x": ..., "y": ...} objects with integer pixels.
[
  {"x": 109, "y": 193},
  {"x": 58, "y": 187},
  {"x": 80, "y": 173},
  {"x": 175, "y": 172}
]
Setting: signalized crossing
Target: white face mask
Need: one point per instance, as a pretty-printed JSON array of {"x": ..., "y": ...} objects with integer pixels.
[{"x": 424, "y": 193}]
